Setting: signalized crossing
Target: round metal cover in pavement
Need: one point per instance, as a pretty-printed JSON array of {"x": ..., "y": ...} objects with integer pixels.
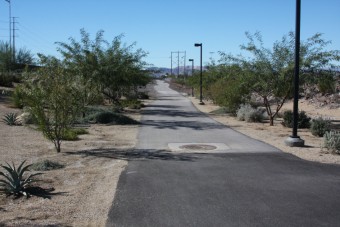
[{"x": 199, "y": 147}]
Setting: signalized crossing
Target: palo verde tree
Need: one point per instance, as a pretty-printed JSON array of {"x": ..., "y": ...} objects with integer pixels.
[
  {"x": 269, "y": 72},
  {"x": 52, "y": 98},
  {"x": 112, "y": 69}
]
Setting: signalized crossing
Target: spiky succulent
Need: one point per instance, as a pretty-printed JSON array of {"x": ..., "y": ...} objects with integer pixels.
[
  {"x": 11, "y": 119},
  {"x": 14, "y": 182}
]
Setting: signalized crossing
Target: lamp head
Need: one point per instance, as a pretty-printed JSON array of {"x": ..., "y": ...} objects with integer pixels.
[
  {"x": 191, "y": 59},
  {"x": 198, "y": 44}
]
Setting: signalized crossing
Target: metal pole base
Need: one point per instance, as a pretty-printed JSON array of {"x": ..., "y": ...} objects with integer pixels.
[
  {"x": 201, "y": 103},
  {"x": 295, "y": 142}
]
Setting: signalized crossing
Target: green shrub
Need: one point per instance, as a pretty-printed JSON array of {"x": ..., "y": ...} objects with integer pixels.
[
  {"x": 14, "y": 182},
  {"x": 11, "y": 119},
  {"x": 332, "y": 141},
  {"x": 46, "y": 165},
  {"x": 326, "y": 84},
  {"x": 132, "y": 103},
  {"x": 143, "y": 95},
  {"x": 18, "y": 97},
  {"x": 115, "y": 118},
  {"x": 303, "y": 119},
  {"x": 320, "y": 126},
  {"x": 72, "y": 134},
  {"x": 105, "y": 117},
  {"x": 7, "y": 79}
]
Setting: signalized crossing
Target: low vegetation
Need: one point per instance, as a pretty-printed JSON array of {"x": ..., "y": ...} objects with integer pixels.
[
  {"x": 46, "y": 165},
  {"x": 332, "y": 141},
  {"x": 303, "y": 119},
  {"x": 14, "y": 182},
  {"x": 11, "y": 119},
  {"x": 320, "y": 126}
]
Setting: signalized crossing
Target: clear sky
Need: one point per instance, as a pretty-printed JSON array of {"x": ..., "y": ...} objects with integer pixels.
[{"x": 162, "y": 26}]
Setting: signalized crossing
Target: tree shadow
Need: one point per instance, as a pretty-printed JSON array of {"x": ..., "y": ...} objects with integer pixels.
[
  {"x": 195, "y": 125},
  {"x": 134, "y": 154}
]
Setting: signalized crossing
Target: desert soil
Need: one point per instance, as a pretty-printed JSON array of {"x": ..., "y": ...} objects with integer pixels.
[
  {"x": 85, "y": 188},
  {"x": 275, "y": 135}
]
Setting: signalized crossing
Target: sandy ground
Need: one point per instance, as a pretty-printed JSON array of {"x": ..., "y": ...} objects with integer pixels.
[
  {"x": 275, "y": 135},
  {"x": 84, "y": 189}
]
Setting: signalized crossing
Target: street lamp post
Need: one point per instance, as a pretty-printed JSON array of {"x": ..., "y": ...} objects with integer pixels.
[
  {"x": 192, "y": 73},
  {"x": 295, "y": 140},
  {"x": 201, "y": 101}
]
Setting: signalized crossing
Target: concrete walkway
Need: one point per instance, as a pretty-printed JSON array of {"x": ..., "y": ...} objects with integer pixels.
[{"x": 193, "y": 171}]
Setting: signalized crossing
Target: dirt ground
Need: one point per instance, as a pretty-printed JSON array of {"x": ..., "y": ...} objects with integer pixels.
[
  {"x": 275, "y": 135},
  {"x": 83, "y": 190}
]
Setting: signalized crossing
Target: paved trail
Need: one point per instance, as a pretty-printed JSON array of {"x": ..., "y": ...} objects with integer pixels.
[{"x": 242, "y": 182}]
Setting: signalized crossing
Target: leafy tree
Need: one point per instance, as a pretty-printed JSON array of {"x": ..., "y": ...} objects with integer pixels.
[
  {"x": 5, "y": 56},
  {"x": 113, "y": 69},
  {"x": 229, "y": 88},
  {"x": 22, "y": 57},
  {"x": 270, "y": 72},
  {"x": 52, "y": 97}
]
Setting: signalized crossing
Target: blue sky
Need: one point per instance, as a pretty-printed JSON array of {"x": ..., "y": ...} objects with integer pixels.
[{"x": 163, "y": 26}]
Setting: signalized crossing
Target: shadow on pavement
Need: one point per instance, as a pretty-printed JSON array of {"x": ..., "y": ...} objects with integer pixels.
[
  {"x": 183, "y": 124},
  {"x": 134, "y": 154}
]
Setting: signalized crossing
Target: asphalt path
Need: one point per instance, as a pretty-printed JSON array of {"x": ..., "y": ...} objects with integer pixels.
[{"x": 244, "y": 183}]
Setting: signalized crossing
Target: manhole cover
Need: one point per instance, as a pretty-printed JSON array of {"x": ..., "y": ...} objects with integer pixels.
[{"x": 203, "y": 147}]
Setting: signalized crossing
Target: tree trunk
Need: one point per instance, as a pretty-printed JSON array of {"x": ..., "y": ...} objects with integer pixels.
[
  {"x": 271, "y": 120},
  {"x": 57, "y": 145}
]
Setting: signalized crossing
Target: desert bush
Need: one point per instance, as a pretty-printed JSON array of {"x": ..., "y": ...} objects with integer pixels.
[
  {"x": 72, "y": 134},
  {"x": 115, "y": 118},
  {"x": 143, "y": 95},
  {"x": 132, "y": 103},
  {"x": 303, "y": 119},
  {"x": 15, "y": 183},
  {"x": 326, "y": 83},
  {"x": 249, "y": 114},
  {"x": 46, "y": 165},
  {"x": 255, "y": 115},
  {"x": 18, "y": 97},
  {"x": 7, "y": 79},
  {"x": 332, "y": 141},
  {"x": 11, "y": 119},
  {"x": 320, "y": 126},
  {"x": 241, "y": 112}
]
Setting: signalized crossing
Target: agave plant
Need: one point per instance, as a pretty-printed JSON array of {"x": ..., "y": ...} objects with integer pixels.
[
  {"x": 14, "y": 182},
  {"x": 11, "y": 119}
]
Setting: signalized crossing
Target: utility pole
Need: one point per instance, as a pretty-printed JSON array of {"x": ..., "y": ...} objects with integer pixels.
[
  {"x": 171, "y": 65},
  {"x": 178, "y": 65},
  {"x": 178, "y": 60},
  {"x": 14, "y": 22},
  {"x": 10, "y": 23}
]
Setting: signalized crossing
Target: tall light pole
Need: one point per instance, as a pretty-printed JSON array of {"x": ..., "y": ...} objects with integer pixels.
[
  {"x": 192, "y": 73},
  {"x": 201, "y": 101},
  {"x": 295, "y": 140}
]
